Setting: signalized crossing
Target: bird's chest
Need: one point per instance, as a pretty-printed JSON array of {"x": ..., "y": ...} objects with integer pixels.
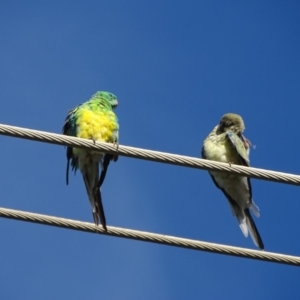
[
  {"x": 97, "y": 126},
  {"x": 222, "y": 151}
]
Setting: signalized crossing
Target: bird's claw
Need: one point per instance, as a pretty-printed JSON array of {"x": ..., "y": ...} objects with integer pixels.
[
  {"x": 116, "y": 143},
  {"x": 96, "y": 221}
]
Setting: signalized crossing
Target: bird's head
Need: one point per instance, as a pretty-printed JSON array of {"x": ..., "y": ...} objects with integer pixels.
[
  {"x": 109, "y": 97},
  {"x": 232, "y": 122}
]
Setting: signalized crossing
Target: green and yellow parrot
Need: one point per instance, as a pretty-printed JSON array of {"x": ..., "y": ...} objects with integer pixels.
[
  {"x": 226, "y": 143},
  {"x": 95, "y": 120}
]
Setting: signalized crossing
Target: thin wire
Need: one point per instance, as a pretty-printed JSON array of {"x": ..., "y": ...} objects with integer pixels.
[
  {"x": 150, "y": 237},
  {"x": 156, "y": 156}
]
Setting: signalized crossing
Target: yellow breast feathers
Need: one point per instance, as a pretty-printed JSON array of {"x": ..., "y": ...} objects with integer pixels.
[{"x": 98, "y": 126}]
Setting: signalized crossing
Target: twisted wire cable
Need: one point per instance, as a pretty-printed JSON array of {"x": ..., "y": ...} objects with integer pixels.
[
  {"x": 150, "y": 237},
  {"x": 156, "y": 156}
]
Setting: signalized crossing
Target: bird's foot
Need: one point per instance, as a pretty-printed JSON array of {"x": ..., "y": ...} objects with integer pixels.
[
  {"x": 116, "y": 144},
  {"x": 96, "y": 219}
]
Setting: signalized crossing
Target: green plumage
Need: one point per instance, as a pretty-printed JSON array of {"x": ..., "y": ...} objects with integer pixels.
[{"x": 95, "y": 120}]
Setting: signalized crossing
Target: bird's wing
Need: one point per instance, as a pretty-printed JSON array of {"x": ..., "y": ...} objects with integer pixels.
[
  {"x": 69, "y": 128},
  {"x": 107, "y": 158},
  {"x": 239, "y": 145}
]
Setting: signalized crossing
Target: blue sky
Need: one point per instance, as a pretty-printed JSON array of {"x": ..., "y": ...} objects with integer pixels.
[{"x": 176, "y": 67}]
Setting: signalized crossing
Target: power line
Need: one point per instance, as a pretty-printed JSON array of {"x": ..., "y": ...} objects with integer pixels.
[
  {"x": 150, "y": 237},
  {"x": 163, "y": 157},
  {"x": 156, "y": 156}
]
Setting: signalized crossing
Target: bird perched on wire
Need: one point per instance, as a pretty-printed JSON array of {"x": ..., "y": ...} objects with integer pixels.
[
  {"x": 226, "y": 143},
  {"x": 95, "y": 120}
]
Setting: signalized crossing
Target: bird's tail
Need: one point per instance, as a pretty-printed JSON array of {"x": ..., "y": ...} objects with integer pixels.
[
  {"x": 90, "y": 176},
  {"x": 253, "y": 230}
]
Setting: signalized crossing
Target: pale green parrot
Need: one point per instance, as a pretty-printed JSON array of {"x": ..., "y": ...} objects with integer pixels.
[{"x": 226, "y": 143}]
